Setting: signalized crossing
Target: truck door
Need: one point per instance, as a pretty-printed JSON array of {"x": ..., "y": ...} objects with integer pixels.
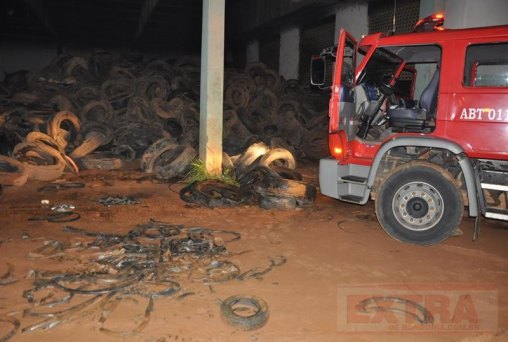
[{"x": 342, "y": 105}]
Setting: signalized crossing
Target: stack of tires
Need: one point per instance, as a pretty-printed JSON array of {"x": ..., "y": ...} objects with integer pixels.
[
  {"x": 265, "y": 175},
  {"x": 99, "y": 111}
]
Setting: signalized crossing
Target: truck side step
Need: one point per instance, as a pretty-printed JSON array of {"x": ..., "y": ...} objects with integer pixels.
[
  {"x": 351, "y": 198},
  {"x": 498, "y": 214},
  {"x": 354, "y": 179}
]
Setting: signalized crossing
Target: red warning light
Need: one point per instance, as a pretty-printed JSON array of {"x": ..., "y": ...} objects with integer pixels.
[{"x": 431, "y": 23}]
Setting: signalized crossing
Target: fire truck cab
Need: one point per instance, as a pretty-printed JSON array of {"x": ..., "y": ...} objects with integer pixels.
[{"x": 420, "y": 156}]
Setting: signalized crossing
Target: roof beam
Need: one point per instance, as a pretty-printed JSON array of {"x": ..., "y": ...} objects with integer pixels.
[
  {"x": 37, "y": 7},
  {"x": 146, "y": 12}
]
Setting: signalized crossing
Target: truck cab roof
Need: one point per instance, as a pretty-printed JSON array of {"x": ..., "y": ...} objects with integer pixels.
[{"x": 432, "y": 37}]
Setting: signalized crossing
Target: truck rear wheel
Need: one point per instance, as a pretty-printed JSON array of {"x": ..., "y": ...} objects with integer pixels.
[{"x": 419, "y": 203}]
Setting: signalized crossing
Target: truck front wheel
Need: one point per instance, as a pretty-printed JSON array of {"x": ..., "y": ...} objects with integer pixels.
[{"x": 419, "y": 203}]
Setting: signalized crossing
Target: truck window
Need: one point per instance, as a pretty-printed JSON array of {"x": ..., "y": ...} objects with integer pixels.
[
  {"x": 486, "y": 65},
  {"x": 404, "y": 86}
]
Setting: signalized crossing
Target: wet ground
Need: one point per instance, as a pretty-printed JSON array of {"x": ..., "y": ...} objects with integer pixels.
[{"x": 335, "y": 251}]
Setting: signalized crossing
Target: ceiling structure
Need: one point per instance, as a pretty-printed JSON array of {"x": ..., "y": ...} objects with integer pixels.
[
  {"x": 104, "y": 23},
  {"x": 168, "y": 24}
]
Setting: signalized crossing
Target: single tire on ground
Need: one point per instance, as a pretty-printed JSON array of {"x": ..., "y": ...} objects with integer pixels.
[
  {"x": 419, "y": 203},
  {"x": 231, "y": 312}
]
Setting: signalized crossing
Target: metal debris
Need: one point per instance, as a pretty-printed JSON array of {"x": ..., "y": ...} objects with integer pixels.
[
  {"x": 149, "y": 261},
  {"x": 7, "y": 278},
  {"x": 63, "y": 208},
  {"x": 52, "y": 187},
  {"x": 15, "y": 327},
  {"x": 57, "y": 217},
  {"x": 118, "y": 200}
]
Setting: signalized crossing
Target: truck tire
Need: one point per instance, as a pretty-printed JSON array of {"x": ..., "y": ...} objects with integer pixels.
[{"x": 419, "y": 203}]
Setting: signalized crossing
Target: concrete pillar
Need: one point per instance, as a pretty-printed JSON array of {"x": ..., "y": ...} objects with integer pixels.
[
  {"x": 354, "y": 18},
  {"x": 474, "y": 13},
  {"x": 289, "y": 56},
  {"x": 212, "y": 84},
  {"x": 252, "y": 54}
]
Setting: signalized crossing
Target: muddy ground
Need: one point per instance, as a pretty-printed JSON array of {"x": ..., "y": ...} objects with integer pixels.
[{"x": 330, "y": 248}]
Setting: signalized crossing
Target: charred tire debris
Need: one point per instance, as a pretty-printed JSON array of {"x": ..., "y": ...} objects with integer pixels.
[
  {"x": 266, "y": 176},
  {"x": 153, "y": 260},
  {"x": 103, "y": 110}
]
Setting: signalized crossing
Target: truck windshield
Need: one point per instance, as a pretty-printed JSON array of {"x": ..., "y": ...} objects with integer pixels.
[{"x": 381, "y": 67}]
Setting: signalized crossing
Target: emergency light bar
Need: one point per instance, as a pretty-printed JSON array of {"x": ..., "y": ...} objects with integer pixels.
[{"x": 431, "y": 23}]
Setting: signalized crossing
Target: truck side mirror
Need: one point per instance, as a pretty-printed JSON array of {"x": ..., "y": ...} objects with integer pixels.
[{"x": 317, "y": 71}]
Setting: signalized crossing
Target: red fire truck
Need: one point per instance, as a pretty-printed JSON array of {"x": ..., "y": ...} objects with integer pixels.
[{"x": 420, "y": 157}]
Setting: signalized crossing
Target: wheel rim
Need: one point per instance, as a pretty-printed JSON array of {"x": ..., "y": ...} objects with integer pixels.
[{"x": 418, "y": 206}]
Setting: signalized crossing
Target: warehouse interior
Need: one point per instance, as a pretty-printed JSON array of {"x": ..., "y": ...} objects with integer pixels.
[{"x": 124, "y": 124}]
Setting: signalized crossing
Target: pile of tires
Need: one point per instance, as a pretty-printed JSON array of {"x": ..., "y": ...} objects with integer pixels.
[
  {"x": 266, "y": 176},
  {"x": 104, "y": 109}
]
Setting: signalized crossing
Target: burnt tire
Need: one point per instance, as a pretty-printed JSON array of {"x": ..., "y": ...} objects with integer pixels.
[
  {"x": 174, "y": 162},
  {"x": 95, "y": 134},
  {"x": 278, "y": 157},
  {"x": 12, "y": 172},
  {"x": 256, "y": 320},
  {"x": 41, "y": 161},
  {"x": 211, "y": 193},
  {"x": 253, "y": 152},
  {"x": 101, "y": 161},
  {"x": 419, "y": 203},
  {"x": 286, "y": 173},
  {"x": 63, "y": 127},
  {"x": 275, "y": 202},
  {"x": 155, "y": 151}
]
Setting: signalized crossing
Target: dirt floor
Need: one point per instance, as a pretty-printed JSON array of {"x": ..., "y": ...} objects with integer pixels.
[{"x": 333, "y": 249}]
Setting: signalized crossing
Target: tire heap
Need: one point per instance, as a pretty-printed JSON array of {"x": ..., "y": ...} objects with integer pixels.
[
  {"x": 100, "y": 111},
  {"x": 260, "y": 105},
  {"x": 266, "y": 177}
]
